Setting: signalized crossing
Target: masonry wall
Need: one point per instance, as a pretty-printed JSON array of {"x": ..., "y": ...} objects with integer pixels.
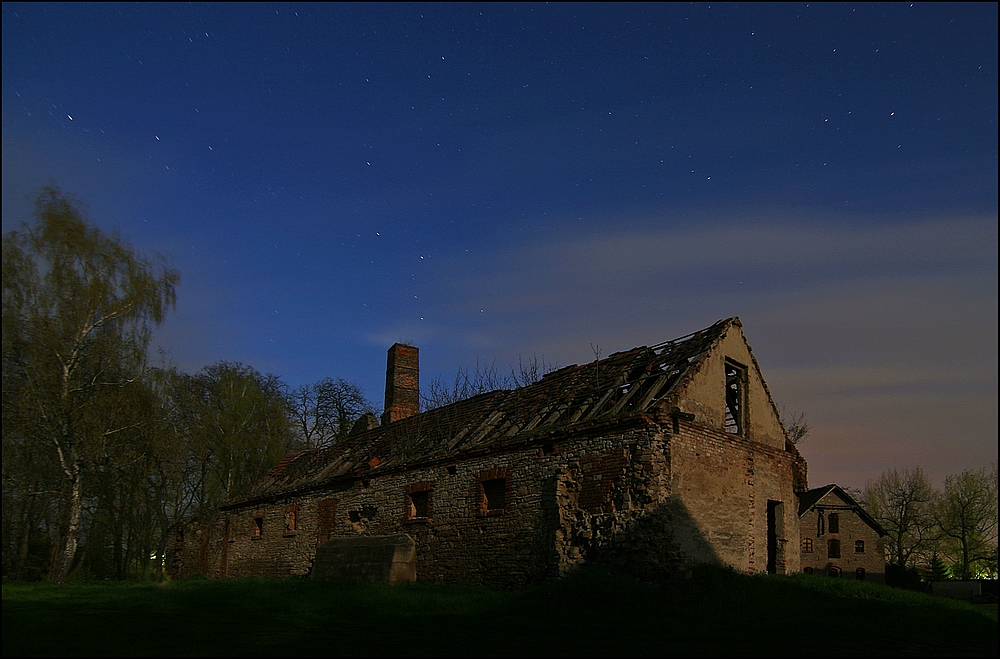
[
  {"x": 722, "y": 481},
  {"x": 721, "y": 486},
  {"x": 648, "y": 499},
  {"x": 705, "y": 394},
  {"x": 852, "y": 529},
  {"x": 567, "y": 502}
]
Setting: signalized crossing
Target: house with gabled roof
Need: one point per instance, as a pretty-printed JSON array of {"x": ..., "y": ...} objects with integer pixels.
[
  {"x": 654, "y": 458},
  {"x": 838, "y": 538}
]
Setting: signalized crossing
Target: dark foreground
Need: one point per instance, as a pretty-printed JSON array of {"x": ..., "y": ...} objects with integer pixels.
[{"x": 715, "y": 612}]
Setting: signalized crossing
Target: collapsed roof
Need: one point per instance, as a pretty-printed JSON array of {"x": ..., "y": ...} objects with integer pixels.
[{"x": 575, "y": 399}]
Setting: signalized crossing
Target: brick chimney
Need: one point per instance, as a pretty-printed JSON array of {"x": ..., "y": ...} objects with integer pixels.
[{"x": 402, "y": 383}]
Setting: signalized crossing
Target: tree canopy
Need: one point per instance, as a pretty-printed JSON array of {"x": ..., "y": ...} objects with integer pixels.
[
  {"x": 79, "y": 306},
  {"x": 104, "y": 454}
]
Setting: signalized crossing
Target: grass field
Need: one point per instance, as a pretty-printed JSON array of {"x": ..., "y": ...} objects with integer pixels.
[{"x": 716, "y": 612}]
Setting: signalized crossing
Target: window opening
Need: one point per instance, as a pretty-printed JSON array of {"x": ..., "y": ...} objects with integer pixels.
[
  {"x": 834, "y": 523},
  {"x": 859, "y": 574},
  {"x": 833, "y": 549},
  {"x": 452, "y": 470},
  {"x": 820, "y": 523},
  {"x": 834, "y": 572},
  {"x": 735, "y": 398},
  {"x": 859, "y": 546},
  {"x": 418, "y": 505},
  {"x": 495, "y": 494},
  {"x": 807, "y": 570},
  {"x": 807, "y": 545},
  {"x": 257, "y": 530}
]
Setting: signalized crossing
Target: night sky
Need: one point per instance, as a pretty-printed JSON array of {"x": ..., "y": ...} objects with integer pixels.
[{"x": 496, "y": 181}]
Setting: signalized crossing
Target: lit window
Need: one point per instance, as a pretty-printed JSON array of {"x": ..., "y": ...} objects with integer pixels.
[
  {"x": 859, "y": 546},
  {"x": 807, "y": 545},
  {"x": 833, "y": 549}
]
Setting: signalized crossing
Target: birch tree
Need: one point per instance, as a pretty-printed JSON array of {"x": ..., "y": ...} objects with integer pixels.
[{"x": 79, "y": 306}]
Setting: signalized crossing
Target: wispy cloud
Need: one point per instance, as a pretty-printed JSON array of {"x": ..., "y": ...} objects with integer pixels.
[{"x": 880, "y": 332}]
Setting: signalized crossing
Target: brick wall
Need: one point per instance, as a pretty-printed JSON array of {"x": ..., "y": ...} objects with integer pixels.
[
  {"x": 721, "y": 486},
  {"x": 852, "y": 529}
]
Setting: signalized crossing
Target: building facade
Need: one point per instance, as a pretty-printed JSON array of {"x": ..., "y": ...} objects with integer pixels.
[
  {"x": 653, "y": 458},
  {"x": 838, "y": 538}
]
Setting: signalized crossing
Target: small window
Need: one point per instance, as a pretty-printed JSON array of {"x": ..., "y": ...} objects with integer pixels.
[
  {"x": 807, "y": 570},
  {"x": 257, "y": 530},
  {"x": 859, "y": 574},
  {"x": 418, "y": 505},
  {"x": 495, "y": 495},
  {"x": 833, "y": 549},
  {"x": 807, "y": 545},
  {"x": 859, "y": 546},
  {"x": 492, "y": 497},
  {"x": 834, "y": 523},
  {"x": 736, "y": 377},
  {"x": 820, "y": 523},
  {"x": 834, "y": 572}
]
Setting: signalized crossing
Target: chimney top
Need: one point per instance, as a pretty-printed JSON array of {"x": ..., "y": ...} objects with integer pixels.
[{"x": 402, "y": 383}]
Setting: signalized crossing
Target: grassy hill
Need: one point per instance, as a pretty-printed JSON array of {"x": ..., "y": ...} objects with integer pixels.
[{"x": 715, "y": 612}]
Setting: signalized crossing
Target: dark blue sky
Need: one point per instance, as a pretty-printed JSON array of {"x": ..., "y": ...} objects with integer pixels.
[{"x": 501, "y": 180}]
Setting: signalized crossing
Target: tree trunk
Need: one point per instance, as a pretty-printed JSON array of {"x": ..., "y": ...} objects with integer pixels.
[{"x": 73, "y": 527}]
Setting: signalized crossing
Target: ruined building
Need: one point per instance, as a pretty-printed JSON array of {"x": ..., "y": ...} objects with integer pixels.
[{"x": 653, "y": 458}]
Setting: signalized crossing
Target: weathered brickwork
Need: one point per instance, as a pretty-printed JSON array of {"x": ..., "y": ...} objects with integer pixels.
[
  {"x": 836, "y": 539},
  {"x": 721, "y": 487},
  {"x": 634, "y": 460},
  {"x": 606, "y": 497},
  {"x": 542, "y": 532}
]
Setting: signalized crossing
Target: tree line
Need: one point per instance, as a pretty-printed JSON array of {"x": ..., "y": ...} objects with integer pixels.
[
  {"x": 936, "y": 534},
  {"x": 106, "y": 454}
]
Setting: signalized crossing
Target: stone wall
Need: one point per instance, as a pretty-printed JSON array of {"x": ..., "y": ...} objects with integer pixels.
[
  {"x": 565, "y": 502},
  {"x": 642, "y": 497}
]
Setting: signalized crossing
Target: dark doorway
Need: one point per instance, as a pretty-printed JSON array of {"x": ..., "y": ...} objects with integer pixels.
[{"x": 775, "y": 531}]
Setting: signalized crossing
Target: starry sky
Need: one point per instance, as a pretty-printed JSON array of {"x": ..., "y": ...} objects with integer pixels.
[{"x": 492, "y": 182}]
